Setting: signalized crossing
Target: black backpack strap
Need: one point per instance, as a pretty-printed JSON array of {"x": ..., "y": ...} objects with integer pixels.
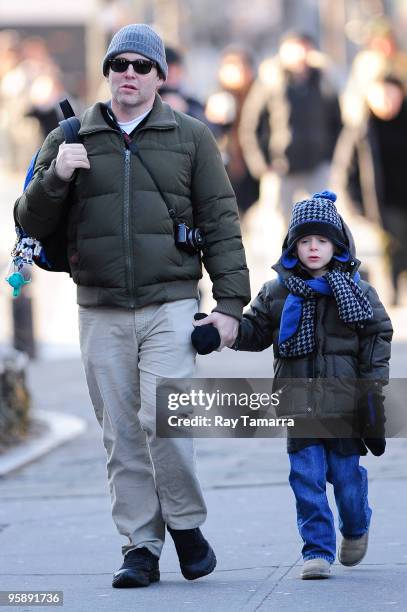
[
  {"x": 66, "y": 108},
  {"x": 71, "y": 124}
]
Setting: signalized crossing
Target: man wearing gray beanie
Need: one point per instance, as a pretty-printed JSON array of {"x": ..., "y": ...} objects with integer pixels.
[
  {"x": 144, "y": 197},
  {"x": 138, "y": 38}
]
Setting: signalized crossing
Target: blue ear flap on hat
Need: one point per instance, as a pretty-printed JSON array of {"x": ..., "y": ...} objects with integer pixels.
[
  {"x": 289, "y": 260},
  {"x": 342, "y": 256}
]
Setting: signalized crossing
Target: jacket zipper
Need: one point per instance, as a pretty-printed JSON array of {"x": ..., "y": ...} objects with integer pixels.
[
  {"x": 127, "y": 229},
  {"x": 128, "y": 241},
  {"x": 318, "y": 340},
  {"x": 317, "y": 363}
]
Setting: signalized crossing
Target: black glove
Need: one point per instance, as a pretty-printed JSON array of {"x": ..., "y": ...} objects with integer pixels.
[
  {"x": 375, "y": 445},
  {"x": 372, "y": 420},
  {"x": 205, "y": 338}
]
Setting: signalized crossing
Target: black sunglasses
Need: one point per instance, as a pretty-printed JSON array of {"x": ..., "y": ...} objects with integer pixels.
[{"x": 141, "y": 66}]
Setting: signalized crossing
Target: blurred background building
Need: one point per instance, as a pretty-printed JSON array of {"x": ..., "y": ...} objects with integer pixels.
[{"x": 50, "y": 51}]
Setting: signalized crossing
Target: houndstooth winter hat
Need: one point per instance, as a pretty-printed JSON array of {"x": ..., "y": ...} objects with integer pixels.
[
  {"x": 137, "y": 38},
  {"x": 316, "y": 216}
]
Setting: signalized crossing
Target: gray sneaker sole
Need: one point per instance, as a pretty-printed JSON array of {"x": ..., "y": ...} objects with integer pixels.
[{"x": 315, "y": 575}]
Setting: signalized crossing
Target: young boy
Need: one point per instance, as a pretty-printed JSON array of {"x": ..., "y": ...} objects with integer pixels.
[{"x": 323, "y": 322}]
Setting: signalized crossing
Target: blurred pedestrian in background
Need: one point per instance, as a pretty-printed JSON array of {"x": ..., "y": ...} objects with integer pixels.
[
  {"x": 30, "y": 88},
  {"x": 291, "y": 120},
  {"x": 175, "y": 91},
  {"x": 380, "y": 56},
  {"x": 236, "y": 74},
  {"x": 370, "y": 167}
]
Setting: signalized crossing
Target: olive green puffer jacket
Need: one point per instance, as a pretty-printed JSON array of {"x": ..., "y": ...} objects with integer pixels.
[{"x": 121, "y": 237}]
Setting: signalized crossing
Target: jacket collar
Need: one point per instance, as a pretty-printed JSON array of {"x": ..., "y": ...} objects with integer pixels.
[{"x": 161, "y": 117}]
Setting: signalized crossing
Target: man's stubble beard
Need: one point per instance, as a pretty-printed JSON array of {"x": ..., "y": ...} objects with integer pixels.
[
  {"x": 131, "y": 104},
  {"x": 125, "y": 102}
]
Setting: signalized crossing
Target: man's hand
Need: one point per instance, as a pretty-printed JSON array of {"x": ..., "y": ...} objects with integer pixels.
[
  {"x": 70, "y": 157},
  {"x": 227, "y": 327}
]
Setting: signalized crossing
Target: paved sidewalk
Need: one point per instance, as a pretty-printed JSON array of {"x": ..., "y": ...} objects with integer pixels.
[{"x": 56, "y": 531}]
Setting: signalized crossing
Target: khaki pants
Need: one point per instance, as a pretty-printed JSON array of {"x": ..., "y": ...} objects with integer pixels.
[{"x": 152, "y": 481}]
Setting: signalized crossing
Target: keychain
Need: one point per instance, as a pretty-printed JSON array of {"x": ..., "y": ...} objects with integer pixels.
[{"x": 19, "y": 272}]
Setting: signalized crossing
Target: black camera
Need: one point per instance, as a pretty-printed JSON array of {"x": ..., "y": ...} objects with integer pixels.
[{"x": 189, "y": 239}]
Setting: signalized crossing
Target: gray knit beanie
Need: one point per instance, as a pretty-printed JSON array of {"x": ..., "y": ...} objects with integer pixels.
[{"x": 137, "y": 38}]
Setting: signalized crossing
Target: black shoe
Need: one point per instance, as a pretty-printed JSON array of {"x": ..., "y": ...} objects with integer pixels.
[
  {"x": 195, "y": 554},
  {"x": 139, "y": 569}
]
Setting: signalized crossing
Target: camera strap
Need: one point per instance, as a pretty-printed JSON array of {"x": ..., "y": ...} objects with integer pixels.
[{"x": 134, "y": 149}]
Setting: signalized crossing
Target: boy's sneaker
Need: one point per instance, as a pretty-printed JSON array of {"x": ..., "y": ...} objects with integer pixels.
[
  {"x": 139, "y": 569},
  {"x": 315, "y": 569},
  {"x": 195, "y": 554},
  {"x": 352, "y": 550}
]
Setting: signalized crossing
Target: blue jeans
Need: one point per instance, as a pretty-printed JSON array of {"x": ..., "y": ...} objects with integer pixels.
[{"x": 311, "y": 468}]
